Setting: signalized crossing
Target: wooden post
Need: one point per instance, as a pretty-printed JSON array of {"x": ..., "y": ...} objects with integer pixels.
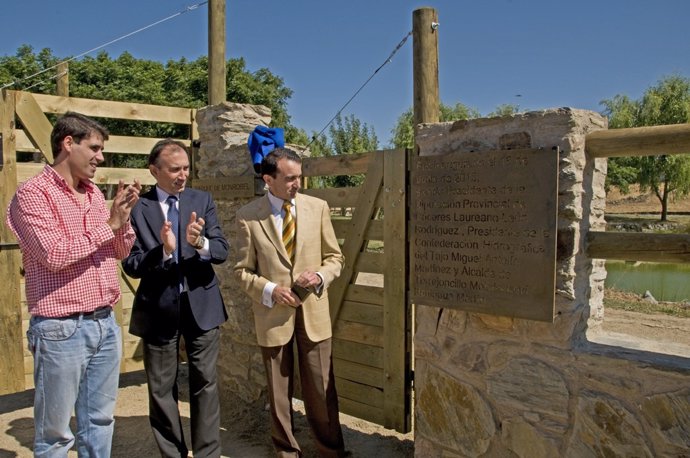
[
  {"x": 425, "y": 66},
  {"x": 63, "y": 79},
  {"x": 216, "y": 52},
  {"x": 12, "y": 361}
]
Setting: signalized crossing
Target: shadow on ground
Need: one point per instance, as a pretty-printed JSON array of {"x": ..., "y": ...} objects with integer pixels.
[{"x": 244, "y": 428}]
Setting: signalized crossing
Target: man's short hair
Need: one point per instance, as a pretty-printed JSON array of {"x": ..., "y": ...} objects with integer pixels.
[
  {"x": 161, "y": 145},
  {"x": 269, "y": 164},
  {"x": 74, "y": 125}
]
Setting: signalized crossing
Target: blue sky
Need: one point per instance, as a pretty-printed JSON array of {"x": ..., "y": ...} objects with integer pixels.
[{"x": 537, "y": 54}]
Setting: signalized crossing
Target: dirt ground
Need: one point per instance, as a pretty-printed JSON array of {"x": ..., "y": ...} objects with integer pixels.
[
  {"x": 244, "y": 430},
  {"x": 636, "y": 202}
]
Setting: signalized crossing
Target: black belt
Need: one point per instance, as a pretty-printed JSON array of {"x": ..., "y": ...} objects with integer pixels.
[{"x": 98, "y": 314}]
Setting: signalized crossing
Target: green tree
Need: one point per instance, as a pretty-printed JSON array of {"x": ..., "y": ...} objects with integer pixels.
[
  {"x": 403, "y": 132},
  {"x": 346, "y": 135},
  {"x": 128, "y": 79},
  {"x": 667, "y": 177},
  {"x": 506, "y": 109}
]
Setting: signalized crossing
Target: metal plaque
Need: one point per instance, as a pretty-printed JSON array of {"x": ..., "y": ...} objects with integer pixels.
[{"x": 483, "y": 232}]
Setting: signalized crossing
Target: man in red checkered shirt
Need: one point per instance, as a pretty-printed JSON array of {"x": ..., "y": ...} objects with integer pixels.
[{"x": 70, "y": 245}]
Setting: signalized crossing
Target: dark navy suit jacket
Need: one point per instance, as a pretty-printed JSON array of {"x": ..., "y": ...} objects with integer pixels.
[{"x": 155, "y": 314}]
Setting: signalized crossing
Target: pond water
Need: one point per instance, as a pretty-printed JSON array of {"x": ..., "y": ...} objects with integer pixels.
[{"x": 666, "y": 282}]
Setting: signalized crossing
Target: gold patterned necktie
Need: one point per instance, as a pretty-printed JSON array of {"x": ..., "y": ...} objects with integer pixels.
[{"x": 289, "y": 230}]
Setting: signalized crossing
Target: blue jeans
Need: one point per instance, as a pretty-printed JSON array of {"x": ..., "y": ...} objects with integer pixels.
[{"x": 76, "y": 366}]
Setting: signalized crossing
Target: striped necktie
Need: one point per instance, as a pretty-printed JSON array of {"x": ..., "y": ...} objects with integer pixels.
[
  {"x": 289, "y": 230},
  {"x": 174, "y": 218}
]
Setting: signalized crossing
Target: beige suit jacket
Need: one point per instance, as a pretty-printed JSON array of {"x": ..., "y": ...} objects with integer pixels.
[{"x": 262, "y": 258}]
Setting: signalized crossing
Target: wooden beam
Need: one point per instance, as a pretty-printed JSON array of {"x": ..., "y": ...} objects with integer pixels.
[
  {"x": 114, "y": 144},
  {"x": 367, "y": 355},
  {"x": 36, "y": 124},
  {"x": 370, "y": 262},
  {"x": 357, "y": 332},
  {"x": 638, "y": 246},
  {"x": 104, "y": 175},
  {"x": 12, "y": 377},
  {"x": 361, "y": 312},
  {"x": 336, "y": 197},
  {"x": 639, "y": 141},
  {"x": 114, "y": 110},
  {"x": 359, "y": 392},
  {"x": 367, "y": 294},
  {"x": 360, "y": 410},
  {"x": 216, "y": 52},
  {"x": 356, "y": 232},
  {"x": 360, "y": 373},
  {"x": 337, "y": 165},
  {"x": 425, "y": 66},
  {"x": 63, "y": 79},
  {"x": 396, "y": 308}
]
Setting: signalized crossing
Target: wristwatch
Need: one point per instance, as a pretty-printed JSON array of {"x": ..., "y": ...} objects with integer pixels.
[{"x": 200, "y": 241}]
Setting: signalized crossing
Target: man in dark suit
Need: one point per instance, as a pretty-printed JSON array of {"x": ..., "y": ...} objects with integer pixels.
[
  {"x": 288, "y": 256},
  {"x": 178, "y": 240}
]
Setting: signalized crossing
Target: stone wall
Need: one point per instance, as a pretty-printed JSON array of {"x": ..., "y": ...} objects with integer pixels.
[
  {"x": 496, "y": 386},
  {"x": 223, "y": 133}
]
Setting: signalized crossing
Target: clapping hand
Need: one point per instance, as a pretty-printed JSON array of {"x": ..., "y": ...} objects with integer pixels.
[{"x": 125, "y": 199}]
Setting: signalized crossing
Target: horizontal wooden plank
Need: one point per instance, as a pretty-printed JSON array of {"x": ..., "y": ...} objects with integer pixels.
[
  {"x": 340, "y": 227},
  {"x": 359, "y": 373},
  {"x": 367, "y": 355},
  {"x": 358, "y": 332},
  {"x": 370, "y": 262},
  {"x": 367, "y": 294},
  {"x": 629, "y": 246},
  {"x": 336, "y": 197},
  {"x": 359, "y": 410},
  {"x": 104, "y": 175},
  {"x": 116, "y": 110},
  {"x": 133, "y": 350},
  {"x": 29, "y": 365},
  {"x": 347, "y": 389},
  {"x": 114, "y": 144},
  {"x": 343, "y": 164},
  {"x": 359, "y": 312},
  {"x": 374, "y": 231},
  {"x": 639, "y": 141},
  {"x": 130, "y": 365}
]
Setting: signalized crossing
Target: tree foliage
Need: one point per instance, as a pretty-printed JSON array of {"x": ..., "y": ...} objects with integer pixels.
[
  {"x": 347, "y": 135},
  {"x": 403, "y": 132},
  {"x": 181, "y": 83},
  {"x": 667, "y": 176},
  {"x": 506, "y": 109}
]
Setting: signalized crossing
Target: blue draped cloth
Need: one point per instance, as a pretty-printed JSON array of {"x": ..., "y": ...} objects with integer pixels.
[{"x": 262, "y": 141}]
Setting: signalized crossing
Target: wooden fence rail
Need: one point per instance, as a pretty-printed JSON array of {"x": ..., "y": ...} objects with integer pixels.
[
  {"x": 639, "y": 141},
  {"x": 33, "y": 110}
]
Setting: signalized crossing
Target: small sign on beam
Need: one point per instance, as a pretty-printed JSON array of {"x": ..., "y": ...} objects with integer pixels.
[{"x": 227, "y": 187}]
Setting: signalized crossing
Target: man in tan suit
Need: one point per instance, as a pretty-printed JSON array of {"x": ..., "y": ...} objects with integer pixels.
[{"x": 288, "y": 256}]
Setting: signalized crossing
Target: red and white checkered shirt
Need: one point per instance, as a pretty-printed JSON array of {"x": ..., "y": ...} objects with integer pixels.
[{"x": 69, "y": 252}]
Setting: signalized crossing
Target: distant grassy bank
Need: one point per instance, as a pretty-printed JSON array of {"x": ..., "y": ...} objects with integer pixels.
[
  {"x": 678, "y": 223},
  {"x": 624, "y": 300}
]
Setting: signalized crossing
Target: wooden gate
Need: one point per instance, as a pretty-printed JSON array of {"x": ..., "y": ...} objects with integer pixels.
[
  {"x": 372, "y": 324},
  {"x": 31, "y": 110},
  {"x": 371, "y": 317}
]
